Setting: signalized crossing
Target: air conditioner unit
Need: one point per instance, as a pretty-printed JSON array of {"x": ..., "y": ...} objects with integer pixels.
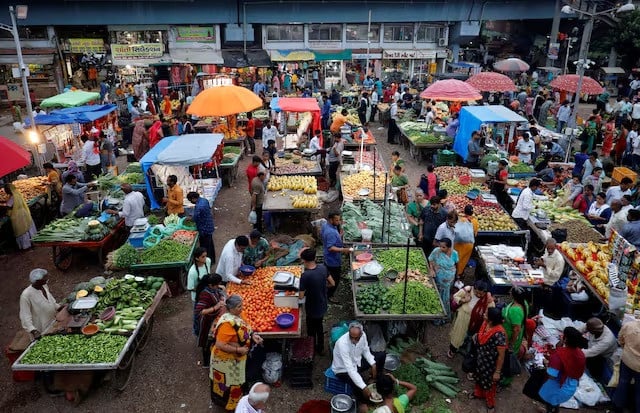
[{"x": 442, "y": 41}]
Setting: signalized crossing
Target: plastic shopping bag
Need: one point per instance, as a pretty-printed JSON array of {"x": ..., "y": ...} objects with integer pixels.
[{"x": 253, "y": 217}]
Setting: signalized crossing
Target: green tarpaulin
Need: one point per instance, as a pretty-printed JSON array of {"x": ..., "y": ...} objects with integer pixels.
[{"x": 70, "y": 99}]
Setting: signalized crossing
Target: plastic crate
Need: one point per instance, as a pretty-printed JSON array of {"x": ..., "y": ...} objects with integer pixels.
[
  {"x": 622, "y": 172},
  {"x": 334, "y": 385},
  {"x": 299, "y": 375},
  {"x": 302, "y": 349},
  {"x": 18, "y": 376}
]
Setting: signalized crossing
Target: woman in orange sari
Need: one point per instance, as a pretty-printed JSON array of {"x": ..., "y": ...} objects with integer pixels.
[
  {"x": 233, "y": 339},
  {"x": 609, "y": 134},
  {"x": 166, "y": 108},
  {"x": 155, "y": 133}
]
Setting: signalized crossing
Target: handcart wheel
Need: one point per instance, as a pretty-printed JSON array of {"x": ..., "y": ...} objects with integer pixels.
[
  {"x": 62, "y": 257},
  {"x": 122, "y": 373},
  {"x": 144, "y": 334}
]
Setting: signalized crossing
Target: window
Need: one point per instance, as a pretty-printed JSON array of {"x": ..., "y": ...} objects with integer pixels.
[
  {"x": 290, "y": 32},
  {"x": 398, "y": 32},
  {"x": 358, "y": 32},
  {"x": 430, "y": 34},
  {"x": 27, "y": 33},
  {"x": 325, "y": 32}
]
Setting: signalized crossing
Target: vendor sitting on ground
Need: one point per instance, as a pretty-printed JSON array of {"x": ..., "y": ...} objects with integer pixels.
[
  {"x": 256, "y": 253},
  {"x": 347, "y": 362},
  {"x": 602, "y": 345},
  {"x": 231, "y": 260}
]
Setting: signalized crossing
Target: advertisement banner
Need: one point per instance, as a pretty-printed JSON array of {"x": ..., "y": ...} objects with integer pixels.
[
  {"x": 137, "y": 51},
  {"x": 86, "y": 46},
  {"x": 554, "y": 50},
  {"x": 409, "y": 54},
  {"x": 202, "y": 34}
]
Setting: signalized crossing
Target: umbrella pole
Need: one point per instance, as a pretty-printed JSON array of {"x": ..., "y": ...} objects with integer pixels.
[{"x": 406, "y": 277}]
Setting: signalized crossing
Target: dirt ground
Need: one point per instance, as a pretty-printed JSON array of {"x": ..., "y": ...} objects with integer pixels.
[{"x": 167, "y": 375}]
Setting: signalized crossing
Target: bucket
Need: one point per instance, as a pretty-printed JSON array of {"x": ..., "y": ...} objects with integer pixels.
[
  {"x": 366, "y": 234},
  {"x": 341, "y": 403}
]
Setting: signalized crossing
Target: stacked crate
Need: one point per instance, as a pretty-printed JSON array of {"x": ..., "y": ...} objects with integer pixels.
[{"x": 300, "y": 366}]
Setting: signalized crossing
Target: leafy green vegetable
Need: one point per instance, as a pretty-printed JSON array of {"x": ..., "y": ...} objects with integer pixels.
[
  {"x": 131, "y": 178},
  {"x": 126, "y": 256},
  {"x": 232, "y": 149},
  {"x": 420, "y": 299},
  {"x": 413, "y": 374},
  {"x": 107, "y": 182},
  {"x": 153, "y": 220},
  {"x": 395, "y": 259},
  {"x": 75, "y": 349}
]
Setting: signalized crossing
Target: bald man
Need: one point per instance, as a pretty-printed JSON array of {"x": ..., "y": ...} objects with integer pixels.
[
  {"x": 602, "y": 345},
  {"x": 256, "y": 400},
  {"x": 552, "y": 262},
  {"x": 618, "y": 218},
  {"x": 132, "y": 207}
]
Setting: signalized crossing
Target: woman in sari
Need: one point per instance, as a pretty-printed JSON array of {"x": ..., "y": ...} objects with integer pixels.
[
  {"x": 609, "y": 134},
  {"x": 466, "y": 230},
  {"x": 514, "y": 316},
  {"x": 491, "y": 342},
  {"x": 385, "y": 386},
  {"x": 209, "y": 306},
  {"x": 23, "y": 227},
  {"x": 140, "y": 139},
  {"x": 233, "y": 338},
  {"x": 155, "y": 133},
  {"x": 621, "y": 143},
  {"x": 414, "y": 210},
  {"x": 165, "y": 107},
  {"x": 442, "y": 262},
  {"x": 473, "y": 302}
]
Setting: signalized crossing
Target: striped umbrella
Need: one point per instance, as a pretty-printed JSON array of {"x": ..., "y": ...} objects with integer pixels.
[
  {"x": 491, "y": 82},
  {"x": 512, "y": 64},
  {"x": 569, "y": 83},
  {"x": 451, "y": 90}
]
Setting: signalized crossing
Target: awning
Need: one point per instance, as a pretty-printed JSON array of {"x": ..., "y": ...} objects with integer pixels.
[
  {"x": 258, "y": 58},
  {"x": 613, "y": 70},
  {"x": 78, "y": 114},
  {"x": 30, "y": 59},
  {"x": 321, "y": 55},
  {"x": 234, "y": 58},
  {"x": 197, "y": 56},
  {"x": 291, "y": 55}
]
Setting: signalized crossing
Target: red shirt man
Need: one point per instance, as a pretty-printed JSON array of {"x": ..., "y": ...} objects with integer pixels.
[{"x": 252, "y": 169}]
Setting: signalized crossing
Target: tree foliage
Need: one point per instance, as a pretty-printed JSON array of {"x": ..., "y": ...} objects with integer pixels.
[{"x": 626, "y": 38}]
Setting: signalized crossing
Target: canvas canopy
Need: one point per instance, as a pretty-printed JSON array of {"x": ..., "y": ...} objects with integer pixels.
[
  {"x": 174, "y": 154},
  {"x": 79, "y": 114},
  {"x": 69, "y": 99},
  {"x": 471, "y": 117}
]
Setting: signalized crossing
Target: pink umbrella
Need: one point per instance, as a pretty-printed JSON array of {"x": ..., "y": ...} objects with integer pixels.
[
  {"x": 14, "y": 156},
  {"x": 569, "y": 83},
  {"x": 512, "y": 64},
  {"x": 451, "y": 90},
  {"x": 491, "y": 82}
]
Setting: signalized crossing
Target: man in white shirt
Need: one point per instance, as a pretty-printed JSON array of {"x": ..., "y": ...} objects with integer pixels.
[
  {"x": 38, "y": 308},
  {"x": 256, "y": 400},
  {"x": 618, "y": 219},
  {"x": 553, "y": 263},
  {"x": 564, "y": 114},
  {"x": 132, "y": 207},
  {"x": 601, "y": 346},
  {"x": 269, "y": 132},
  {"x": 591, "y": 163},
  {"x": 314, "y": 143},
  {"x": 525, "y": 148},
  {"x": 231, "y": 260},
  {"x": 524, "y": 204},
  {"x": 374, "y": 105},
  {"x": 91, "y": 158},
  {"x": 348, "y": 353},
  {"x": 618, "y": 191}
]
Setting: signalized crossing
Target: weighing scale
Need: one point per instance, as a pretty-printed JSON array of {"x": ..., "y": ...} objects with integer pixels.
[{"x": 285, "y": 281}]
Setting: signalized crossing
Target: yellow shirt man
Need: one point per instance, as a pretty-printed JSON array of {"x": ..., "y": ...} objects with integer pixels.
[
  {"x": 175, "y": 200},
  {"x": 338, "y": 121}
]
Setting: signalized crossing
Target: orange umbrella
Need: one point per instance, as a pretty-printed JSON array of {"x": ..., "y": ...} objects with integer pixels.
[
  {"x": 224, "y": 101},
  {"x": 451, "y": 90},
  {"x": 491, "y": 82}
]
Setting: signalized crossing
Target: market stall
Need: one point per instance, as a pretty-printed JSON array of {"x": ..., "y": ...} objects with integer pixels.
[
  {"x": 354, "y": 161},
  {"x": 89, "y": 341},
  {"x": 99, "y": 234},
  {"x": 505, "y": 267},
  {"x": 69, "y": 99},
  {"x": 364, "y": 185},
  {"x": 375, "y": 223},
  {"x": 292, "y": 164},
  {"x": 37, "y": 194},
  {"x": 422, "y": 139},
  {"x": 393, "y": 284},
  {"x": 358, "y": 143},
  {"x": 229, "y": 166},
  {"x": 291, "y": 194},
  {"x": 173, "y": 155},
  {"x": 472, "y": 117},
  {"x": 272, "y": 292},
  {"x": 296, "y": 106}
]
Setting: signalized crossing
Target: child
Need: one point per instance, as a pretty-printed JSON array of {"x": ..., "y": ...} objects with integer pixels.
[{"x": 271, "y": 148}]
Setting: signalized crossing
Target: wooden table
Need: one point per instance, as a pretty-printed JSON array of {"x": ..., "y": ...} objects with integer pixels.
[{"x": 275, "y": 203}]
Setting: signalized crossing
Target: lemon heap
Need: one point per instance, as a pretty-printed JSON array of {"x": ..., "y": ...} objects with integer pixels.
[{"x": 307, "y": 184}]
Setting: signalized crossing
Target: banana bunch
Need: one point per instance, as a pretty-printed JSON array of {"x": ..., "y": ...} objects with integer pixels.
[
  {"x": 304, "y": 201},
  {"x": 307, "y": 184}
]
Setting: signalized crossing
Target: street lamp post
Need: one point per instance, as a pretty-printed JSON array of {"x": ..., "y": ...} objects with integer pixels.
[
  {"x": 583, "y": 63},
  {"x": 20, "y": 12}
]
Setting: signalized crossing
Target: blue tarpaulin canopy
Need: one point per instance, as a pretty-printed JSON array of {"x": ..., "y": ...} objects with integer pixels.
[
  {"x": 79, "y": 114},
  {"x": 471, "y": 117},
  {"x": 181, "y": 151}
]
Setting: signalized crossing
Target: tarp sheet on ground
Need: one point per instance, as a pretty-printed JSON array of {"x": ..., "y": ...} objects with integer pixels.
[
  {"x": 79, "y": 114},
  {"x": 70, "y": 99},
  {"x": 173, "y": 154},
  {"x": 301, "y": 105},
  {"x": 471, "y": 117}
]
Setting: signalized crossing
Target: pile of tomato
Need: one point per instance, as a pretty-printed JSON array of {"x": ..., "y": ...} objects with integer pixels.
[{"x": 259, "y": 309}]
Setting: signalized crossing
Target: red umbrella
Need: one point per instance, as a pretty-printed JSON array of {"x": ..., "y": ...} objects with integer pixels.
[
  {"x": 569, "y": 83},
  {"x": 491, "y": 82},
  {"x": 14, "y": 156},
  {"x": 451, "y": 90},
  {"x": 512, "y": 64}
]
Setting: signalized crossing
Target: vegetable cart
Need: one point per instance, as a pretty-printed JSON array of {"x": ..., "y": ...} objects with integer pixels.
[
  {"x": 276, "y": 203},
  {"x": 421, "y": 148},
  {"x": 63, "y": 250},
  {"x": 173, "y": 269},
  {"x": 229, "y": 169},
  {"x": 417, "y": 265},
  {"x": 78, "y": 378}
]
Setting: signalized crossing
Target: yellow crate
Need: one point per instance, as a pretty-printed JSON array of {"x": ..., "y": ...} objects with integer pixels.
[{"x": 622, "y": 172}]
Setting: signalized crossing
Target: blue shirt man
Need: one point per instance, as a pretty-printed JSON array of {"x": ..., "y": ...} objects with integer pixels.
[
  {"x": 368, "y": 83},
  {"x": 378, "y": 85},
  {"x": 259, "y": 87},
  {"x": 333, "y": 247},
  {"x": 203, "y": 218}
]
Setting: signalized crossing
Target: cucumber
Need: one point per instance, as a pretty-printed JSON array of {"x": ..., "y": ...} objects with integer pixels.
[
  {"x": 444, "y": 389},
  {"x": 443, "y": 379}
]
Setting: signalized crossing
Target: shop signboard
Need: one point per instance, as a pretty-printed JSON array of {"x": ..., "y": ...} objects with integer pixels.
[
  {"x": 201, "y": 34},
  {"x": 86, "y": 46},
  {"x": 362, "y": 56},
  {"x": 409, "y": 54},
  {"x": 137, "y": 51}
]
